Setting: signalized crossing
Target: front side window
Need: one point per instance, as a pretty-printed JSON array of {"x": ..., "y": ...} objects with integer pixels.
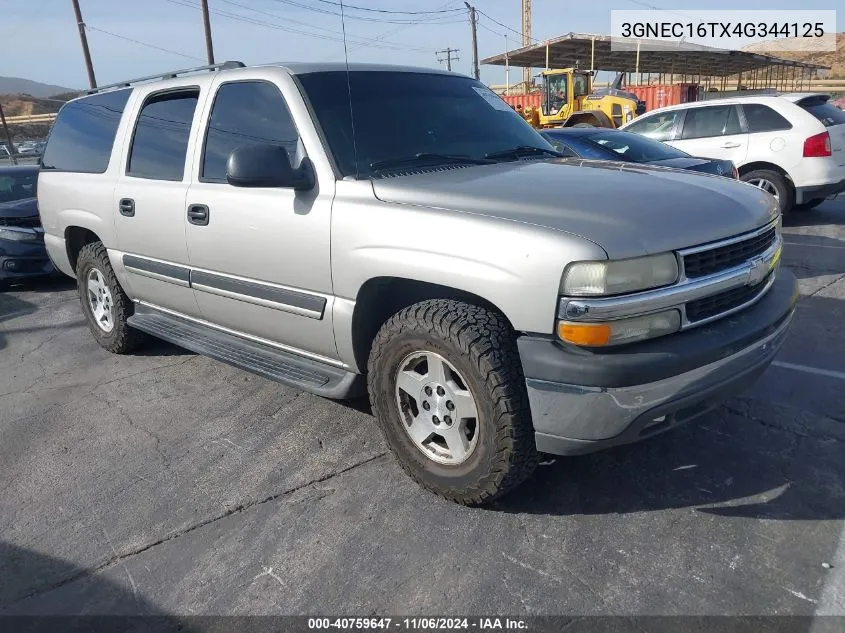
[
  {"x": 83, "y": 135},
  {"x": 402, "y": 115},
  {"x": 657, "y": 126},
  {"x": 160, "y": 143},
  {"x": 245, "y": 113},
  {"x": 711, "y": 121},
  {"x": 761, "y": 118}
]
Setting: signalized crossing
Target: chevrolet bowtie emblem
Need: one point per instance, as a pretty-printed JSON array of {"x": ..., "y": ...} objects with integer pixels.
[{"x": 757, "y": 272}]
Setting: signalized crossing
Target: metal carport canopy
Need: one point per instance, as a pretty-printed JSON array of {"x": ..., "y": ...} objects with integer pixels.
[{"x": 672, "y": 58}]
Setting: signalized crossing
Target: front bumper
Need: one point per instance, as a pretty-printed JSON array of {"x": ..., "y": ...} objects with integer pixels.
[
  {"x": 584, "y": 401},
  {"x": 19, "y": 260},
  {"x": 805, "y": 194}
]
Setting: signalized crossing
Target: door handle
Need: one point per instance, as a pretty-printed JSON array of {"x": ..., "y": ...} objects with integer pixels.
[
  {"x": 126, "y": 207},
  {"x": 730, "y": 145},
  {"x": 198, "y": 214}
]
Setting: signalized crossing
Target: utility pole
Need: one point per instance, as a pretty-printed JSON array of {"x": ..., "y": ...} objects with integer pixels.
[
  {"x": 473, "y": 21},
  {"x": 11, "y": 147},
  {"x": 92, "y": 81},
  {"x": 450, "y": 56},
  {"x": 206, "y": 22},
  {"x": 526, "y": 41}
]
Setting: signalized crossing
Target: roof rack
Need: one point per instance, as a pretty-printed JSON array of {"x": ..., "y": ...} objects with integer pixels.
[
  {"x": 739, "y": 94},
  {"x": 169, "y": 75}
]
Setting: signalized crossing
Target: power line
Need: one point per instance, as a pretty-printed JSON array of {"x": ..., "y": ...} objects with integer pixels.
[
  {"x": 129, "y": 39},
  {"x": 319, "y": 28},
  {"x": 279, "y": 27},
  {"x": 351, "y": 6},
  {"x": 504, "y": 25},
  {"x": 443, "y": 19}
]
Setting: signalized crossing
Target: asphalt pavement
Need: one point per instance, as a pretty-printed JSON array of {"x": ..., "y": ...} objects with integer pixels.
[{"x": 165, "y": 482}]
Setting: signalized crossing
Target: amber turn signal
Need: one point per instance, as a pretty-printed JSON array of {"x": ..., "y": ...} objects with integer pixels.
[{"x": 591, "y": 334}]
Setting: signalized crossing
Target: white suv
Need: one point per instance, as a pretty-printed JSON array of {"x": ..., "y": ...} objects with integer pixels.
[{"x": 791, "y": 145}]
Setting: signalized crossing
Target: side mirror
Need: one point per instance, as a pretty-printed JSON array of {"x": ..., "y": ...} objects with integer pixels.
[{"x": 267, "y": 166}]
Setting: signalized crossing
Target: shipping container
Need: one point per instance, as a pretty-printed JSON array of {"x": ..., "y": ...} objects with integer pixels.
[
  {"x": 662, "y": 95},
  {"x": 531, "y": 100}
]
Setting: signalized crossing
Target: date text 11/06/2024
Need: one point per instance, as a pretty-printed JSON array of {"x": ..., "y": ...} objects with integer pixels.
[{"x": 418, "y": 624}]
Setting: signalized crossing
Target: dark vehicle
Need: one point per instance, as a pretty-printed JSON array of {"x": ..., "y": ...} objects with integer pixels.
[
  {"x": 607, "y": 144},
  {"x": 22, "y": 252}
]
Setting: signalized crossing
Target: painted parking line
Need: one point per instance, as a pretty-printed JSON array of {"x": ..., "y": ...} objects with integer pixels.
[
  {"x": 811, "y": 370},
  {"x": 814, "y": 245}
]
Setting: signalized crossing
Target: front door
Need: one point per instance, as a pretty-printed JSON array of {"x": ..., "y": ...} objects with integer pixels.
[
  {"x": 150, "y": 198},
  {"x": 260, "y": 259},
  {"x": 713, "y": 132}
]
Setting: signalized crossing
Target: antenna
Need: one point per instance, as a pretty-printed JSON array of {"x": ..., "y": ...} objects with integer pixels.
[{"x": 349, "y": 90}]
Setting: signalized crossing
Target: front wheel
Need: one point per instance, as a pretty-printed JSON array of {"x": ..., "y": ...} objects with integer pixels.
[{"x": 448, "y": 392}]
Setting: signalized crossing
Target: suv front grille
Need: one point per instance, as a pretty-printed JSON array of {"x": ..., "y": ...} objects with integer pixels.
[
  {"x": 31, "y": 222},
  {"x": 724, "y": 301},
  {"x": 721, "y": 258}
]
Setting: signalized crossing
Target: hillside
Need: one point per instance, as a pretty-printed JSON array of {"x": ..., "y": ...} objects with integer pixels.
[
  {"x": 27, "y": 86},
  {"x": 834, "y": 59}
]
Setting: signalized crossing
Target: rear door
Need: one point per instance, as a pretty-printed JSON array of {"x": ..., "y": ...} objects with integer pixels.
[
  {"x": 150, "y": 199},
  {"x": 713, "y": 132}
]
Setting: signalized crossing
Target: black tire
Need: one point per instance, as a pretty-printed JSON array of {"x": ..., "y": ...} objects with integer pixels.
[
  {"x": 481, "y": 345},
  {"x": 786, "y": 194},
  {"x": 122, "y": 339},
  {"x": 810, "y": 204},
  {"x": 583, "y": 125}
]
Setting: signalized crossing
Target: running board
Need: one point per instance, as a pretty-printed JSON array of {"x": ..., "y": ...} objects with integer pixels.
[{"x": 263, "y": 360}]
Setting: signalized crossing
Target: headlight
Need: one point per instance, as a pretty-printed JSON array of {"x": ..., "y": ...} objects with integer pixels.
[
  {"x": 621, "y": 331},
  {"x": 18, "y": 234},
  {"x": 619, "y": 276}
]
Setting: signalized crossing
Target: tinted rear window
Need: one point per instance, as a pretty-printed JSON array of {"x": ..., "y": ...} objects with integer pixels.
[
  {"x": 825, "y": 112},
  {"x": 160, "y": 143},
  {"x": 83, "y": 134},
  {"x": 761, "y": 118}
]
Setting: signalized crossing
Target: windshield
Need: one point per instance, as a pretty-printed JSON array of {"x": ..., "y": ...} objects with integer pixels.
[
  {"x": 634, "y": 147},
  {"x": 17, "y": 186},
  {"x": 398, "y": 115}
]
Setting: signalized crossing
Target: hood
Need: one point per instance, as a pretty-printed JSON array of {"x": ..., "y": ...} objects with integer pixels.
[
  {"x": 626, "y": 208},
  {"x": 26, "y": 208}
]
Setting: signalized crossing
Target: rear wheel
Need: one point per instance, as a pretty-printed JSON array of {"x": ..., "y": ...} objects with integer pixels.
[
  {"x": 772, "y": 183},
  {"x": 810, "y": 204},
  {"x": 104, "y": 303},
  {"x": 448, "y": 392}
]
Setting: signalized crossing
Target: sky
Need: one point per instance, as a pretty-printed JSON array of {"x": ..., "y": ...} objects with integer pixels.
[{"x": 40, "y": 40}]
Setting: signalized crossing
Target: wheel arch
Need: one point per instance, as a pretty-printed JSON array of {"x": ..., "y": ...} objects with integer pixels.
[
  {"x": 594, "y": 117},
  {"x": 761, "y": 164},
  {"x": 76, "y": 237},
  {"x": 380, "y": 298}
]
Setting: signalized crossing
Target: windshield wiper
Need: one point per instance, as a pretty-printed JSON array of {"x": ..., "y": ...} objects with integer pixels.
[
  {"x": 424, "y": 158},
  {"x": 523, "y": 150}
]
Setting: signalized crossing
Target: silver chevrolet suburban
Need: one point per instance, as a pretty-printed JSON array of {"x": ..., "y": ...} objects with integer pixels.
[{"x": 404, "y": 232}]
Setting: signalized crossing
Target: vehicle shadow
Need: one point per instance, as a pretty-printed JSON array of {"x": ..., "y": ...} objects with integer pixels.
[
  {"x": 722, "y": 464},
  {"x": 35, "y": 586},
  {"x": 828, "y": 212}
]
